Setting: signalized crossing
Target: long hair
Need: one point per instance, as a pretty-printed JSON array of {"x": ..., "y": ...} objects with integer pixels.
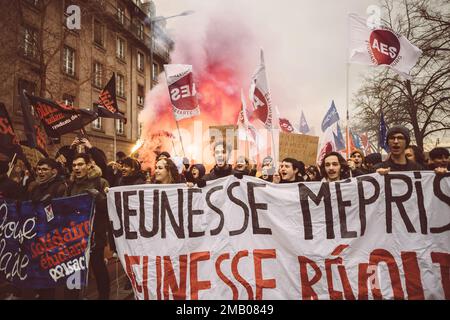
[
  {"x": 345, "y": 169},
  {"x": 172, "y": 169}
]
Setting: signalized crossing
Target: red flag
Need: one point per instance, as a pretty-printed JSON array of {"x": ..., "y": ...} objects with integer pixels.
[
  {"x": 260, "y": 96},
  {"x": 286, "y": 125},
  {"x": 183, "y": 94}
]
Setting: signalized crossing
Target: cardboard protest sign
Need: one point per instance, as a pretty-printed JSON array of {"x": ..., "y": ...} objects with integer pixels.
[
  {"x": 298, "y": 146},
  {"x": 45, "y": 245},
  {"x": 370, "y": 237}
]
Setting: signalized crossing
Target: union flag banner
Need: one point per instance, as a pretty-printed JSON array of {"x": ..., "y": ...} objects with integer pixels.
[
  {"x": 260, "y": 96},
  {"x": 381, "y": 46},
  {"x": 183, "y": 94},
  {"x": 107, "y": 102}
]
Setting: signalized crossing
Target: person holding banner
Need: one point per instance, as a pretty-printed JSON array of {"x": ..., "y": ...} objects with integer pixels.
[
  {"x": 48, "y": 183},
  {"x": 398, "y": 140},
  {"x": 291, "y": 171},
  {"x": 221, "y": 169},
  {"x": 334, "y": 167},
  {"x": 242, "y": 166},
  {"x": 166, "y": 172},
  {"x": 86, "y": 178}
]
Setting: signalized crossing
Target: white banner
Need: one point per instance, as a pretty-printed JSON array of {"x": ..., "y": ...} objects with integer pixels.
[
  {"x": 371, "y": 237},
  {"x": 183, "y": 94}
]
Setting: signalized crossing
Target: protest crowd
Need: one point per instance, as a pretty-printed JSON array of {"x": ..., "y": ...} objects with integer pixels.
[{"x": 83, "y": 168}]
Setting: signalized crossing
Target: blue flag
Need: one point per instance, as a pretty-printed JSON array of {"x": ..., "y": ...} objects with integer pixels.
[
  {"x": 356, "y": 140},
  {"x": 383, "y": 132},
  {"x": 339, "y": 139},
  {"x": 52, "y": 245},
  {"x": 331, "y": 117},
  {"x": 304, "y": 128}
]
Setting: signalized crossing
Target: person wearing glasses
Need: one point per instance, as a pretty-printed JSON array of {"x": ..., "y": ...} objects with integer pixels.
[{"x": 398, "y": 139}]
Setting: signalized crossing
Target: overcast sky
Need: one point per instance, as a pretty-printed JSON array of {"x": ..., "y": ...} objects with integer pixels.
[{"x": 305, "y": 45}]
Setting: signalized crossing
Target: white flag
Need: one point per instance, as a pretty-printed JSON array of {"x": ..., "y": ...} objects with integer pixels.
[
  {"x": 183, "y": 94},
  {"x": 381, "y": 46},
  {"x": 260, "y": 96}
]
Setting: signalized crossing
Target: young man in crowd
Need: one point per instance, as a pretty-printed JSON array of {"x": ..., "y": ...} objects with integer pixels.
[
  {"x": 131, "y": 173},
  {"x": 439, "y": 158},
  {"x": 242, "y": 166},
  {"x": 398, "y": 139},
  {"x": 86, "y": 177},
  {"x": 334, "y": 167},
  {"x": 48, "y": 184},
  {"x": 358, "y": 167},
  {"x": 221, "y": 168},
  {"x": 289, "y": 171}
]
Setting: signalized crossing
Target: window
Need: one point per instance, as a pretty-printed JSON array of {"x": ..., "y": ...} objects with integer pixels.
[
  {"x": 140, "y": 95},
  {"x": 69, "y": 61},
  {"x": 68, "y": 100},
  {"x": 140, "y": 30},
  {"x": 120, "y": 85},
  {"x": 98, "y": 74},
  {"x": 97, "y": 123},
  {"x": 155, "y": 71},
  {"x": 121, "y": 14},
  {"x": 98, "y": 33},
  {"x": 119, "y": 126},
  {"x": 140, "y": 61},
  {"x": 120, "y": 48},
  {"x": 30, "y": 42}
]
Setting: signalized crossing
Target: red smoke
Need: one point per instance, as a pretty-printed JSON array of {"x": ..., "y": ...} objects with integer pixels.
[{"x": 220, "y": 71}]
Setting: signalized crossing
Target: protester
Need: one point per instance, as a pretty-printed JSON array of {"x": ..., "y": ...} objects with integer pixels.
[
  {"x": 372, "y": 160},
  {"x": 357, "y": 156},
  {"x": 398, "y": 140},
  {"x": 313, "y": 174},
  {"x": 48, "y": 184},
  {"x": 131, "y": 173},
  {"x": 334, "y": 167},
  {"x": 242, "y": 166},
  {"x": 415, "y": 154},
  {"x": 439, "y": 158},
  {"x": 195, "y": 173},
  {"x": 120, "y": 155},
  {"x": 289, "y": 170},
  {"x": 221, "y": 168},
  {"x": 276, "y": 178},
  {"x": 166, "y": 172},
  {"x": 86, "y": 178}
]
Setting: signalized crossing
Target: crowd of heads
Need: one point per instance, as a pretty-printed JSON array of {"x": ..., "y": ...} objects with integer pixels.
[{"x": 72, "y": 162}]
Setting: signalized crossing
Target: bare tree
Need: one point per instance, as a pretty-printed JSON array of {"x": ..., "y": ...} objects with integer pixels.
[{"x": 422, "y": 104}]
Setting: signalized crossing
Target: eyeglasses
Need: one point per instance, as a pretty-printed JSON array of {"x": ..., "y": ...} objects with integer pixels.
[{"x": 399, "y": 138}]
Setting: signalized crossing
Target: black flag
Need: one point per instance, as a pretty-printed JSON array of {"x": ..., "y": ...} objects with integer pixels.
[
  {"x": 107, "y": 102},
  {"x": 9, "y": 144},
  {"x": 36, "y": 137},
  {"x": 58, "y": 118}
]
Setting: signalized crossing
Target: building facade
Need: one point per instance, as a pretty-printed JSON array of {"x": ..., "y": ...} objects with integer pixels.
[{"x": 56, "y": 51}]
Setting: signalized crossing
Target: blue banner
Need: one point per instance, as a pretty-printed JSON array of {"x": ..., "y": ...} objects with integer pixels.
[
  {"x": 43, "y": 245},
  {"x": 331, "y": 117}
]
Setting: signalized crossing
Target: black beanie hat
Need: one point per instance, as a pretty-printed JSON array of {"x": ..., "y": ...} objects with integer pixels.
[{"x": 399, "y": 129}]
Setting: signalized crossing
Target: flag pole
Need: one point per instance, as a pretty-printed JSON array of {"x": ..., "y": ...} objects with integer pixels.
[
  {"x": 115, "y": 143},
  {"x": 181, "y": 139},
  {"x": 347, "y": 144}
]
